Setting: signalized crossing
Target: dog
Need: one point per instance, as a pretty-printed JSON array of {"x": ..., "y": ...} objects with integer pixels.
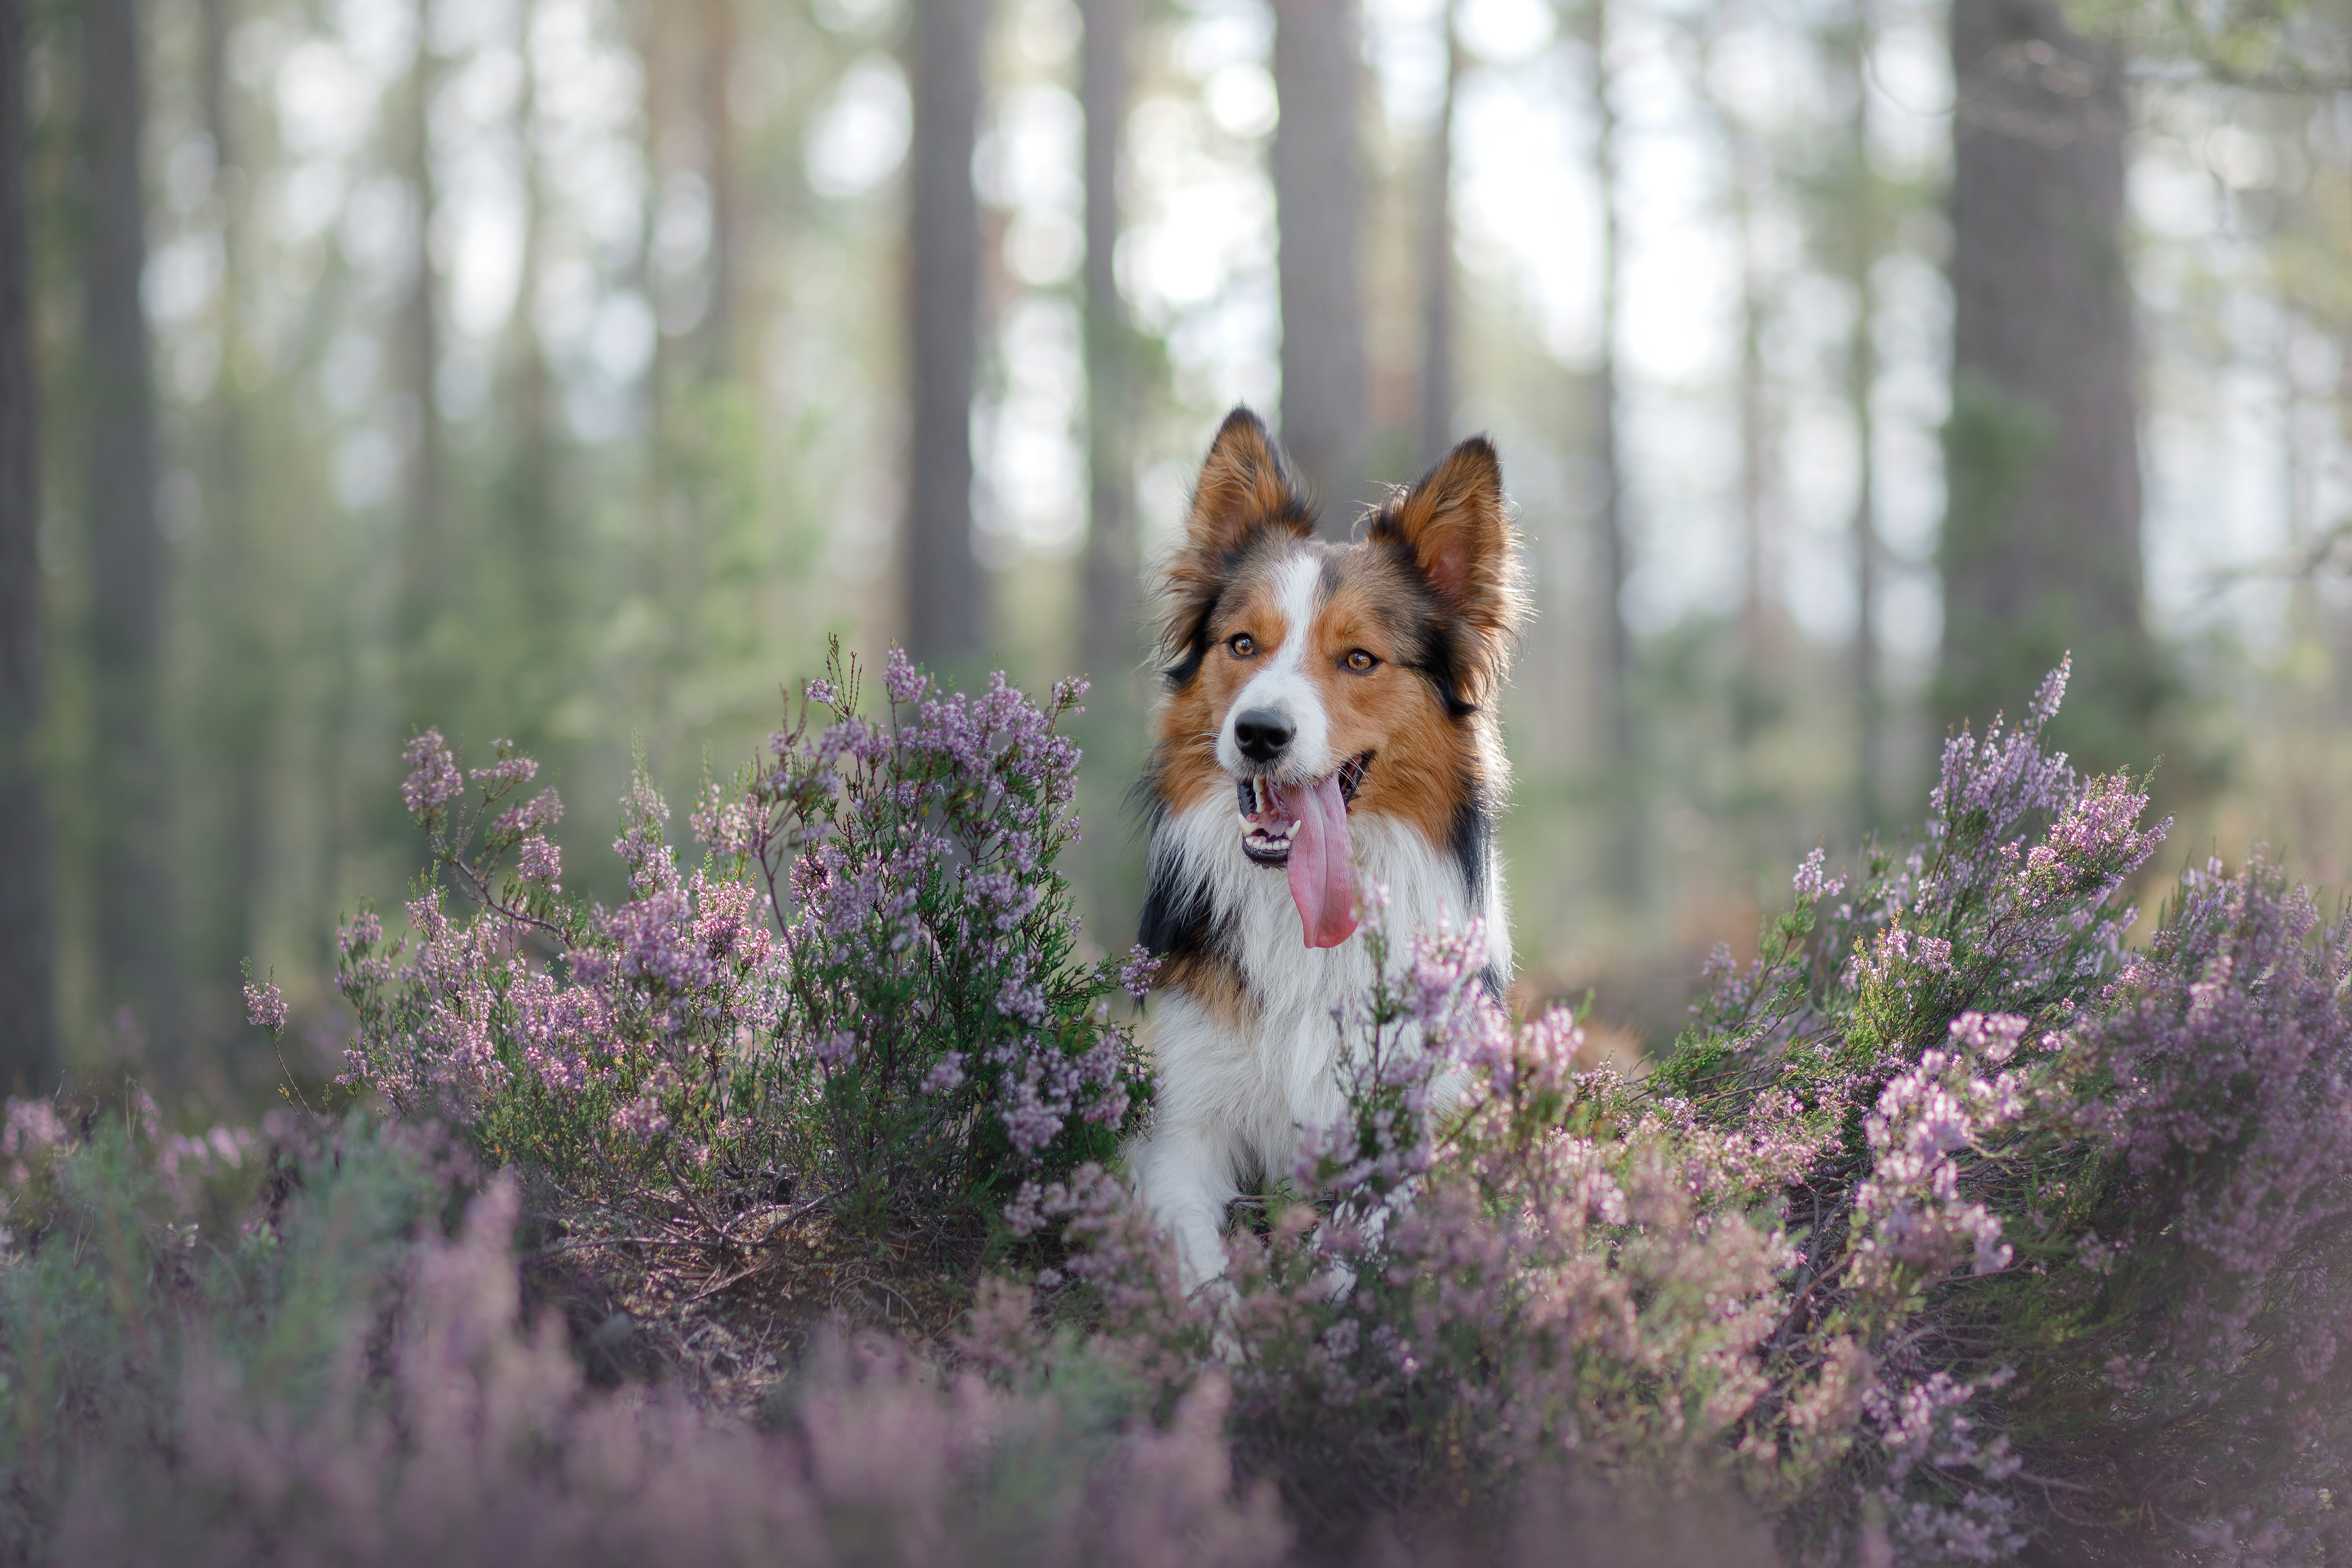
[{"x": 1327, "y": 717}]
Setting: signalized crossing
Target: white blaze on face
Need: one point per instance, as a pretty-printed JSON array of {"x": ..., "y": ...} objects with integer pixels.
[{"x": 1286, "y": 685}]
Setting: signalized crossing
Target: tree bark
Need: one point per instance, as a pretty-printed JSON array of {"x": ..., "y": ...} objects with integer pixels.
[
  {"x": 1624, "y": 863},
  {"x": 2041, "y": 550},
  {"x": 719, "y": 356},
  {"x": 531, "y": 473},
  {"x": 1864, "y": 245},
  {"x": 28, "y": 1046},
  {"x": 138, "y": 966},
  {"x": 944, "y": 607},
  {"x": 429, "y": 568},
  {"x": 1113, "y": 642},
  {"x": 1435, "y": 434},
  {"x": 1759, "y": 479},
  {"x": 245, "y": 692},
  {"x": 1318, "y": 202}
]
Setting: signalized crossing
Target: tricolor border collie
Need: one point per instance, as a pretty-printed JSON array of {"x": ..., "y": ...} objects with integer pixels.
[{"x": 1329, "y": 715}]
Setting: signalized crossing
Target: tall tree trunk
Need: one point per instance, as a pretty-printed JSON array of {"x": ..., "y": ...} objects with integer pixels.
[
  {"x": 2041, "y": 550},
  {"x": 945, "y": 612},
  {"x": 1863, "y": 249},
  {"x": 138, "y": 967},
  {"x": 1318, "y": 202},
  {"x": 1112, "y": 641},
  {"x": 246, "y": 690},
  {"x": 1624, "y": 862},
  {"x": 719, "y": 356},
  {"x": 1435, "y": 434},
  {"x": 28, "y": 1046},
  {"x": 428, "y": 569},
  {"x": 1751, "y": 686},
  {"x": 530, "y": 474}
]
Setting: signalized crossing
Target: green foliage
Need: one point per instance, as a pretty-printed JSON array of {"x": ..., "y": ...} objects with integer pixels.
[
  {"x": 869, "y": 992},
  {"x": 127, "y": 1268}
]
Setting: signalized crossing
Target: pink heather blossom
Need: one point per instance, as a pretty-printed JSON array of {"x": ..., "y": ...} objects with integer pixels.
[
  {"x": 905, "y": 684},
  {"x": 433, "y": 780},
  {"x": 541, "y": 863},
  {"x": 508, "y": 770},
  {"x": 363, "y": 930},
  {"x": 1811, "y": 885},
  {"x": 263, "y": 1008},
  {"x": 31, "y": 1127},
  {"x": 540, "y": 812}
]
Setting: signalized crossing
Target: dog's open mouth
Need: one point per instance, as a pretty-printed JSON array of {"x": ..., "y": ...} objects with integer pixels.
[{"x": 1271, "y": 811}]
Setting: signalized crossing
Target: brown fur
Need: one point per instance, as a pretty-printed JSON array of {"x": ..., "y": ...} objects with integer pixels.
[{"x": 1433, "y": 592}]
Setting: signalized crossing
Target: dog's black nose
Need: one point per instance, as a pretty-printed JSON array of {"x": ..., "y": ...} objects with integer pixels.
[{"x": 1262, "y": 733}]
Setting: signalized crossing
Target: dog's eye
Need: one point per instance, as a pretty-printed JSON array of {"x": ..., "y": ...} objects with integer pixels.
[
  {"x": 1361, "y": 661},
  {"x": 1242, "y": 644}
]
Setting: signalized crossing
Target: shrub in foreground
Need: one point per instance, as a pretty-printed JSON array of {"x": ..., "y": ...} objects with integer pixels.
[
  {"x": 348, "y": 1379},
  {"x": 1953, "y": 1228},
  {"x": 1950, "y": 1224},
  {"x": 869, "y": 989}
]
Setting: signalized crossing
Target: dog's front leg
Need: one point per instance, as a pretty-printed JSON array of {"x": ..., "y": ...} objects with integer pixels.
[{"x": 1186, "y": 1185}]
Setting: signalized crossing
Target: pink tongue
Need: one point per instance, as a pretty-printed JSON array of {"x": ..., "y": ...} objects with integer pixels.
[{"x": 1322, "y": 872}]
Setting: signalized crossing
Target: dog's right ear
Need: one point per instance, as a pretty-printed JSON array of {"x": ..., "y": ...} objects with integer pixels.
[
  {"x": 1245, "y": 492},
  {"x": 1244, "y": 487}
]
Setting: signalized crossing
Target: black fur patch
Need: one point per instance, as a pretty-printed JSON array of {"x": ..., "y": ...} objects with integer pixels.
[{"x": 1178, "y": 914}]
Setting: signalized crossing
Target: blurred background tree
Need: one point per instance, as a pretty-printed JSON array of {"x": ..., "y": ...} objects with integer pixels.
[{"x": 569, "y": 369}]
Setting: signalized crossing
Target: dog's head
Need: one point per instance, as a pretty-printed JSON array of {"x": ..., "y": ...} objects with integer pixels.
[{"x": 1312, "y": 682}]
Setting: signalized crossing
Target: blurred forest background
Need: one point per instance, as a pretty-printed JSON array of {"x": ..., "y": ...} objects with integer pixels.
[{"x": 568, "y": 370}]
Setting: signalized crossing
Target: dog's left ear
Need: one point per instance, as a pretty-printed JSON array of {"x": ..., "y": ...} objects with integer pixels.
[{"x": 1456, "y": 527}]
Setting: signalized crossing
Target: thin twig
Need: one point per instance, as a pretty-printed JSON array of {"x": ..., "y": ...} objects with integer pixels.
[{"x": 622, "y": 1241}]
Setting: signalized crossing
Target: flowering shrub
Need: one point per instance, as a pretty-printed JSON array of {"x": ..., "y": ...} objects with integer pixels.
[
  {"x": 869, "y": 986},
  {"x": 339, "y": 1379},
  {"x": 1951, "y": 1223}
]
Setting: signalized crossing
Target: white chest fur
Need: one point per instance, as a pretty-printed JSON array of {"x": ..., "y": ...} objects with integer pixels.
[{"x": 1236, "y": 1086}]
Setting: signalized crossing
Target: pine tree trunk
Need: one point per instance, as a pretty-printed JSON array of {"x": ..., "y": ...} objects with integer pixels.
[
  {"x": 1751, "y": 686},
  {"x": 2041, "y": 550},
  {"x": 1113, "y": 640},
  {"x": 1318, "y": 200},
  {"x": 1861, "y": 386},
  {"x": 530, "y": 474},
  {"x": 944, "y": 608},
  {"x": 719, "y": 321},
  {"x": 138, "y": 966},
  {"x": 28, "y": 1046},
  {"x": 429, "y": 568},
  {"x": 1435, "y": 434},
  {"x": 245, "y": 690},
  {"x": 1624, "y": 862}
]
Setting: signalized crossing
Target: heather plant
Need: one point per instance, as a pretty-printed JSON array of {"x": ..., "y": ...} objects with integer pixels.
[
  {"x": 1495, "y": 1266},
  {"x": 869, "y": 990},
  {"x": 130, "y": 1253},
  {"x": 344, "y": 1372},
  {"x": 1953, "y": 1225},
  {"x": 1952, "y": 1222}
]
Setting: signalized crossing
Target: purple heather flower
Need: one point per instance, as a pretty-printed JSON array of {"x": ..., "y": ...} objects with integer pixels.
[
  {"x": 508, "y": 769},
  {"x": 1811, "y": 885},
  {"x": 433, "y": 780},
  {"x": 541, "y": 862},
  {"x": 905, "y": 684},
  {"x": 263, "y": 1008},
  {"x": 540, "y": 812}
]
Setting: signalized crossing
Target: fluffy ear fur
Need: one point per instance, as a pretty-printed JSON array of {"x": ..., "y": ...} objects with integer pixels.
[
  {"x": 1244, "y": 487},
  {"x": 1455, "y": 526},
  {"x": 1244, "y": 495}
]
